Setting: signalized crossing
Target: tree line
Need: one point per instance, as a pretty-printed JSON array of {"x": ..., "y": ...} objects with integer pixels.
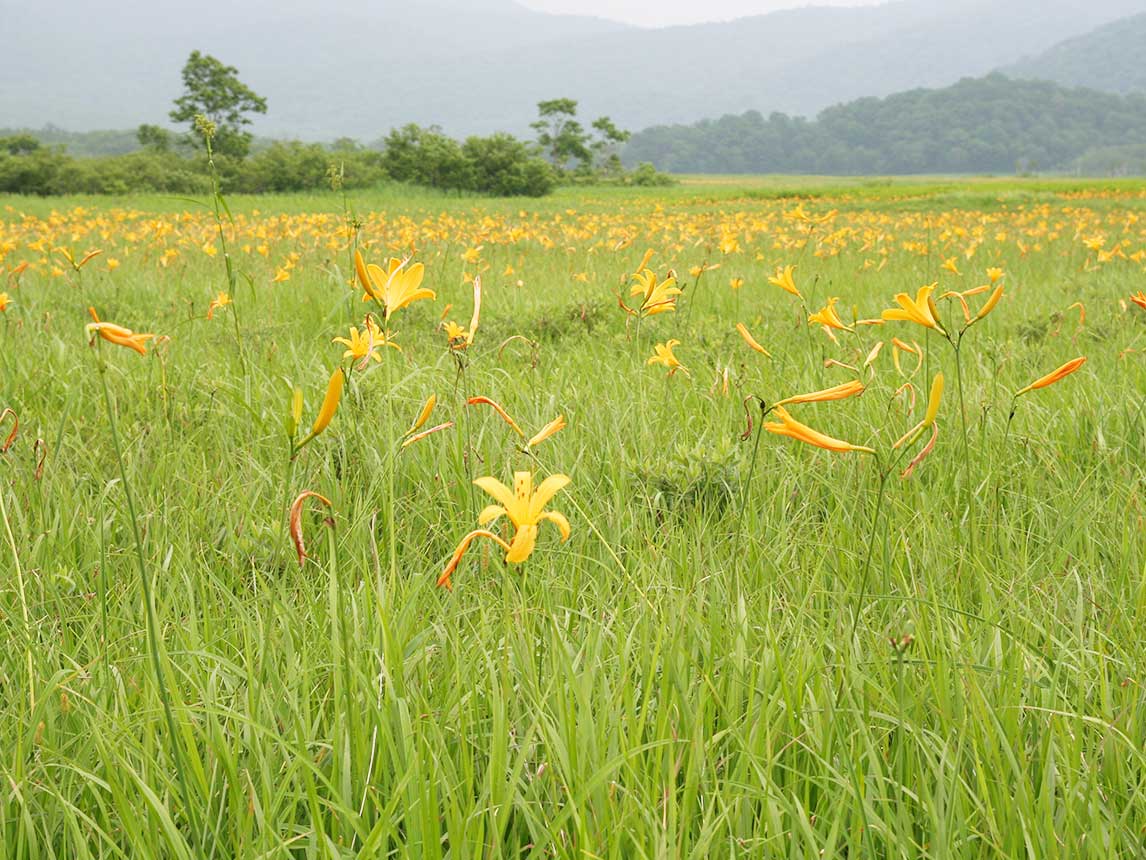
[
  {"x": 170, "y": 162},
  {"x": 979, "y": 125}
]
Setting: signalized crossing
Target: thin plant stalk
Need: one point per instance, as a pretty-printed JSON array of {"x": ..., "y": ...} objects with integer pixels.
[
  {"x": 153, "y": 639},
  {"x": 23, "y": 602},
  {"x": 966, "y": 447}
]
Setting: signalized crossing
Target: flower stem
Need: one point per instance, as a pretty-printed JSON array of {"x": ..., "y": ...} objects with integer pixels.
[
  {"x": 966, "y": 448},
  {"x": 149, "y": 606},
  {"x": 870, "y": 552}
]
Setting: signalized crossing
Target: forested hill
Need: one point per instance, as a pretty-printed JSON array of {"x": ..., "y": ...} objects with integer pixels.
[
  {"x": 1111, "y": 58},
  {"x": 979, "y": 125},
  {"x": 362, "y": 67}
]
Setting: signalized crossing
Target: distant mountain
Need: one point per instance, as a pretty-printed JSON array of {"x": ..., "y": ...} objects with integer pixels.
[
  {"x": 1111, "y": 58},
  {"x": 979, "y": 125},
  {"x": 360, "y": 67}
]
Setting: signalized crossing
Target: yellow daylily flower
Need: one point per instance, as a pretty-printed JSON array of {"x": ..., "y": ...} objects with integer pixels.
[
  {"x": 361, "y": 345},
  {"x": 790, "y": 427},
  {"x": 828, "y": 317},
  {"x": 929, "y": 417},
  {"x": 117, "y": 334},
  {"x": 220, "y": 301},
  {"x": 919, "y": 310},
  {"x": 838, "y": 392},
  {"x": 656, "y": 297},
  {"x": 456, "y": 336},
  {"x": 423, "y": 415},
  {"x": 328, "y": 408},
  {"x": 1054, "y": 376},
  {"x": 496, "y": 407},
  {"x": 664, "y": 355},
  {"x": 396, "y": 286},
  {"x": 525, "y": 508},
  {"x": 554, "y": 426},
  {"x": 751, "y": 341},
  {"x": 785, "y": 280},
  {"x": 989, "y": 305}
]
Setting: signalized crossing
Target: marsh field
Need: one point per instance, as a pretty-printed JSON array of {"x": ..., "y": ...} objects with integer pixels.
[{"x": 264, "y": 595}]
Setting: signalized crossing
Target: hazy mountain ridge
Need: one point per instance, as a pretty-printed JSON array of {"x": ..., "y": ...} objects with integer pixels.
[
  {"x": 358, "y": 69},
  {"x": 1111, "y": 58},
  {"x": 992, "y": 124}
]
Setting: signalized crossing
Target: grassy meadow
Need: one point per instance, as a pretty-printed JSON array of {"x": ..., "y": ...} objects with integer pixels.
[{"x": 749, "y": 646}]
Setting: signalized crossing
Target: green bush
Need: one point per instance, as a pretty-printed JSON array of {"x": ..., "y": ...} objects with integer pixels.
[
  {"x": 647, "y": 176},
  {"x": 502, "y": 165},
  {"x": 499, "y": 165}
]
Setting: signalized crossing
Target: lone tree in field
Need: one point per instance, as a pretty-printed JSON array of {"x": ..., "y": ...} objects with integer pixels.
[
  {"x": 608, "y": 145},
  {"x": 214, "y": 90},
  {"x": 560, "y": 136}
]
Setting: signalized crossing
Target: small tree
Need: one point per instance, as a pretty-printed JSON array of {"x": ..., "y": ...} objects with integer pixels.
[
  {"x": 213, "y": 90},
  {"x": 153, "y": 138},
  {"x": 607, "y": 147},
  {"x": 560, "y": 136}
]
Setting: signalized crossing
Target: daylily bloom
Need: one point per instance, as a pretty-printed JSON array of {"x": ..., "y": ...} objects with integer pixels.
[
  {"x": 295, "y": 417},
  {"x": 396, "y": 286},
  {"x": 664, "y": 355},
  {"x": 898, "y": 346},
  {"x": 380, "y": 338},
  {"x": 493, "y": 404},
  {"x": 828, "y": 317},
  {"x": 525, "y": 507},
  {"x": 329, "y": 406},
  {"x": 697, "y": 271},
  {"x": 873, "y": 355},
  {"x": 989, "y": 305},
  {"x": 67, "y": 255},
  {"x": 361, "y": 346},
  {"x": 424, "y": 414},
  {"x": 554, "y": 426},
  {"x": 417, "y": 437},
  {"x": 929, "y": 417},
  {"x": 785, "y": 280},
  {"x": 838, "y": 392},
  {"x": 118, "y": 334},
  {"x": 995, "y": 275},
  {"x": 456, "y": 336},
  {"x": 1054, "y": 376},
  {"x": 736, "y": 283},
  {"x": 751, "y": 341},
  {"x": 1139, "y": 300},
  {"x": 656, "y": 298},
  {"x": 5, "y": 300},
  {"x": 220, "y": 301},
  {"x": 789, "y": 426},
  {"x": 949, "y": 265},
  {"x": 919, "y": 310}
]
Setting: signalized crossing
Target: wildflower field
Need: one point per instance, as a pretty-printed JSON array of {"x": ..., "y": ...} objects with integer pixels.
[{"x": 731, "y": 519}]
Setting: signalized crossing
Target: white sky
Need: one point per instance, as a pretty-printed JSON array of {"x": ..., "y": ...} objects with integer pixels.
[{"x": 659, "y": 13}]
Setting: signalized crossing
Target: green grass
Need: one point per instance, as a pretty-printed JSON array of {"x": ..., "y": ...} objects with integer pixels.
[{"x": 678, "y": 680}]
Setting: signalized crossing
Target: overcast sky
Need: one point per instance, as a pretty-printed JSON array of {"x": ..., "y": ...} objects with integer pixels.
[{"x": 659, "y": 13}]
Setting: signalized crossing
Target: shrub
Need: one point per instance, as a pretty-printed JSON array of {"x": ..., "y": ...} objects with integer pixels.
[{"x": 502, "y": 165}]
